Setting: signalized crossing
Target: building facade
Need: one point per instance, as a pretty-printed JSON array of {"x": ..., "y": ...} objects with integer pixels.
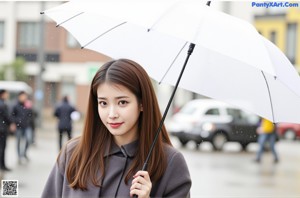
[
  {"x": 67, "y": 69},
  {"x": 282, "y": 28}
]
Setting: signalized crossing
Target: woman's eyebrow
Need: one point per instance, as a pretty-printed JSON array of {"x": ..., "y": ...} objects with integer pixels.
[
  {"x": 121, "y": 97},
  {"x": 118, "y": 97},
  {"x": 101, "y": 98}
]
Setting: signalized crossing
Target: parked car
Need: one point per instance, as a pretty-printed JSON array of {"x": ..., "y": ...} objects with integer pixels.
[
  {"x": 289, "y": 131},
  {"x": 217, "y": 122}
]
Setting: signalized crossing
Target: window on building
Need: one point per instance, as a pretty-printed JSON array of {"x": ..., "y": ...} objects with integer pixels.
[
  {"x": 1, "y": 34},
  {"x": 29, "y": 35},
  {"x": 72, "y": 42},
  {"x": 273, "y": 37},
  {"x": 291, "y": 41}
]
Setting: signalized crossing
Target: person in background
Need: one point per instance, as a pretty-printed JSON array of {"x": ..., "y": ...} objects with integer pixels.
[
  {"x": 5, "y": 122},
  {"x": 21, "y": 117},
  {"x": 63, "y": 113},
  {"x": 28, "y": 105},
  {"x": 267, "y": 132}
]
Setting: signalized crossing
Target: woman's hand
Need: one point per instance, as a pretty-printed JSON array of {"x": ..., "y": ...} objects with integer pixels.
[{"x": 141, "y": 185}]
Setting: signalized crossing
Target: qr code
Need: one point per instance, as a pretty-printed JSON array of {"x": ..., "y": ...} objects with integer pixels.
[{"x": 9, "y": 188}]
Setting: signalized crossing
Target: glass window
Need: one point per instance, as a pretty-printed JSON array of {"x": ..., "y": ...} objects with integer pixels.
[
  {"x": 291, "y": 41},
  {"x": 273, "y": 36},
  {"x": 212, "y": 112},
  {"x": 235, "y": 113},
  {"x": 29, "y": 35},
  {"x": 72, "y": 42},
  {"x": 1, "y": 33}
]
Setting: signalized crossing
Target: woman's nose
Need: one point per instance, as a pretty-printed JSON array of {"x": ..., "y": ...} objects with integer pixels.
[{"x": 113, "y": 113}]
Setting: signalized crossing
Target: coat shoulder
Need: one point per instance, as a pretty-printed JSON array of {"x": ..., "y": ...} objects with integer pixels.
[
  {"x": 172, "y": 153},
  {"x": 173, "y": 184}
]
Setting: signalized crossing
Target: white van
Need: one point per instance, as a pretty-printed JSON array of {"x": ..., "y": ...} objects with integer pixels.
[{"x": 14, "y": 87}]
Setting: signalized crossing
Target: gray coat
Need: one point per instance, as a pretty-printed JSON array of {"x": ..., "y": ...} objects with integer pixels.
[{"x": 175, "y": 182}]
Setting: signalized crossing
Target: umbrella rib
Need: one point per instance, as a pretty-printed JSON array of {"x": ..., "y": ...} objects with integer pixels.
[
  {"x": 69, "y": 19},
  {"x": 179, "y": 52},
  {"x": 103, "y": 34},
  {"x": 167, "y": 12},
  {"x": 161, "y": 16},
  {"x": 270, "y": 97}
]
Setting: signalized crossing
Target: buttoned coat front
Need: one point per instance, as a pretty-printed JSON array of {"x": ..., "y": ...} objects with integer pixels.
[{"x": 175, "y": 182}]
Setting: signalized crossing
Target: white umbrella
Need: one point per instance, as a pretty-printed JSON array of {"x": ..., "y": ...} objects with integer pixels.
[{"x": 230, "y": 60}]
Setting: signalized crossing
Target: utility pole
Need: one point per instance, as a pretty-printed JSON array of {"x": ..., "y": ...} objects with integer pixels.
[{"x": 39, "y": 83}]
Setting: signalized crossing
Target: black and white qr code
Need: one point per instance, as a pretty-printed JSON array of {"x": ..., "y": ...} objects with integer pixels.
[{"x": 9, "y": 188}]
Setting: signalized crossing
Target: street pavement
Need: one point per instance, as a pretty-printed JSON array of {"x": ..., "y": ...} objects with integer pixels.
[
  {"x": 233, "y": 173},
  {"x": 230, "y": 173}
]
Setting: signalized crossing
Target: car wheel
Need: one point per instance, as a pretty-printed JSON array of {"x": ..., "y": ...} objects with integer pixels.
[
  {"x": 290, "y": 135},
  {"x": 183, "y": 141},
  {"x": 218, "y": 141}
]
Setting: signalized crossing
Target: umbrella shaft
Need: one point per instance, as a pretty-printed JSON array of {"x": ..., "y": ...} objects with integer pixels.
[{"x": 190, "y": 51}]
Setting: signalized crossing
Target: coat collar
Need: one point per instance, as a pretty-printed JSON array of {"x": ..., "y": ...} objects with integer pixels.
[{"x": 127, "y": 149}]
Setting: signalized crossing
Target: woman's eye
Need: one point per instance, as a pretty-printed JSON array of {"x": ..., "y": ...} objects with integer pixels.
[
  {"x": 123, "y": 102},
  {"x": 102, "y": 103}
]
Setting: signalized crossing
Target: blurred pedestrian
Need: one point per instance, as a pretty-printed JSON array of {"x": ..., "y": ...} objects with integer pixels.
[
  {"x": 21, "y": 117},
  {"x": 122, "y": 118},
  {"x": 267, "y": 133},
  {"x": 31, "y": 120},
  {"x": 63, "y": 113},
  {"x": 5, "y": 122}
]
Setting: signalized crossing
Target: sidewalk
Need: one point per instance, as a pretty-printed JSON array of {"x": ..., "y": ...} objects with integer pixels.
[{"x": 32, "y": 176}]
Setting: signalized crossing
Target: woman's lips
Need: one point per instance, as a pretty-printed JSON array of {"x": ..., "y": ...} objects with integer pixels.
[{"x": 115, "y": 125}]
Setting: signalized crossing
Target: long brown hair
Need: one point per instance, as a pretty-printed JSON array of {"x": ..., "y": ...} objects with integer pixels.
[{"x": 88, "y": 155}]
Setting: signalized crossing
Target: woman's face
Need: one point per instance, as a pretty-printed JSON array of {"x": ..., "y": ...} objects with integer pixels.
[{"x": 119, "y": 111}]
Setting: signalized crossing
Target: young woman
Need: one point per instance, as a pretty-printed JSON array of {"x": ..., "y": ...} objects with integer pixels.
[{"x": 121, "y": 121}]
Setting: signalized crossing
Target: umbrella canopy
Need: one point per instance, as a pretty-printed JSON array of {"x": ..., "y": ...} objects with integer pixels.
[
  {"x": 136, "y": 25},
  {"x": 231, "y": 61}
]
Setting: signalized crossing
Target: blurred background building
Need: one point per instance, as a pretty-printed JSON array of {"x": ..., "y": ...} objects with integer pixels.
[
  {"x": 282, "y": 28},
  {"x": 67, "y": 69}
]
